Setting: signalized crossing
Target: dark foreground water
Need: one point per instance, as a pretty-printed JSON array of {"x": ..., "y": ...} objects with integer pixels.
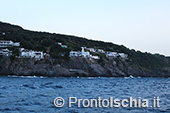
[{"x": 36, "y": 94}]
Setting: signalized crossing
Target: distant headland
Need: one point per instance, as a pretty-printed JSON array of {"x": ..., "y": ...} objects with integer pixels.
[{"x": 28, "y": 53}]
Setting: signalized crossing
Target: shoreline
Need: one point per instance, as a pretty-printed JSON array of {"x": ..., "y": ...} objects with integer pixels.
[{"x": 36, "y": 76}]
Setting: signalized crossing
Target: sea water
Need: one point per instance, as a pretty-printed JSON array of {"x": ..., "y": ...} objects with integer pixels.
[{"x": 36, "y": 94}]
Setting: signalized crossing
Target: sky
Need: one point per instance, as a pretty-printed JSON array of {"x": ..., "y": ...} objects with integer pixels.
[{"x": 137, "y": 24}]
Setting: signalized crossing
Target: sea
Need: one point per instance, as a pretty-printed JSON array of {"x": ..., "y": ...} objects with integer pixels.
[{"x": 31, "y": 94}]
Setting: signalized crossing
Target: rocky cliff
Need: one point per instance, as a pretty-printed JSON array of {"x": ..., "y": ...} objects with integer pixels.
[{"x": 75, "y": 67}]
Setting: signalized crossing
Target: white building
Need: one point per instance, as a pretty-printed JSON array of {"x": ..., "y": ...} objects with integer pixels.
[
  {"x": 123, "y": 55},
  {"x": 74, "y": 54},
  {"x": 38, "y": 55},
  {"x": 63, "y": 46},
  {"x": 60, "y": 44},
  {"x": 95, "y": 57},
  {"x": 82, "y": 53},
  {"x": 25, "y": 53},
  {"x": 112, "y": 54},
  {"x": 95, "y": 50},
  {"x": 5, "y": 52},
  {"x": 115, "y": 54},
  {"x": 4, "y": 43},
  {"x": 101, "y": 51},
  {"x": 91, "y": 50}
]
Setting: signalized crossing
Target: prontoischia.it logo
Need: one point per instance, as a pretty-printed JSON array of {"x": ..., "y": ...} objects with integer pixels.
[{"x": 105, "y": 103}]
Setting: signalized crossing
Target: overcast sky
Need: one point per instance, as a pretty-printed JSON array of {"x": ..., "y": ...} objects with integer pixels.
[{"x": 138, "y": 24}]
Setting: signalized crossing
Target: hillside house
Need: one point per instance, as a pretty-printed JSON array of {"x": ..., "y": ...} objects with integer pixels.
[
  {"x": 4, "y": 43},
  {"x": 60, "y": 44},
  {"x": 95, "y": 50},
  {"x": 91, "y": 50},
  {"x": 5, "y": 52},
  {"x": 101, "y": 51},
  {"x": 82, "y": 53},
  {"x": 25, "y": 53},
  {"x": 74, "y": 54},
  {"x": 115, "y": 54},
  {"x": 63, "y": 46},
  {"x": 123, "y": 55},
  {"x": 112, "y": 54},
  {"x": 95, "y": 57}
]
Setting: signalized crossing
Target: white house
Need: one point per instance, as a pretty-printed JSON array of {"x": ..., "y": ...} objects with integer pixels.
[
  {"x": 91, "y": 50},
  {"x": 95, "y": 57},
  {"x": 16, "y": 44},
  {"x": 95, "y": 50},
  {"x": 63, "y": 46},
  {"x": 115, "y": 54},
  {"x": 74, "y": 54},
  {"x": 101, "y": 51},
  {"x": 112, "y": 54},
  {"x": 82, "y": 53},
  {"x": 4, "y": 43},
  {"x": 5, "y": 52},
  {"x": 25, "y": 53},
  {"x": 59, "y": 43},
  {"x": 123, "y": 55},
  {"x": 38, "y": 55}
]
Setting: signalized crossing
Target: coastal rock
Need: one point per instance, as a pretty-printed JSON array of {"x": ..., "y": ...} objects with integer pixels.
[{"x": 74, "y": 68}]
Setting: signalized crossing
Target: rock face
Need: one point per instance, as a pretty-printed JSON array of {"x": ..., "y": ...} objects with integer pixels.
[{"x": 73, "y": 68}]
